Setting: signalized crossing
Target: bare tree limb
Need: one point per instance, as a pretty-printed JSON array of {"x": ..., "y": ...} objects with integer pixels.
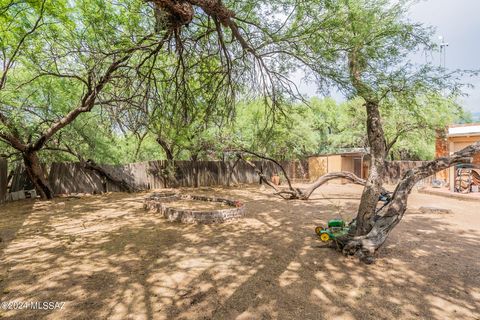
[
  {"x": 275, "y": 162},
  {"x": 297, "y": 193}
]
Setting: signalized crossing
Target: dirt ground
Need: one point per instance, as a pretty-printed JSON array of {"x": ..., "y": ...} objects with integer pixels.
[{"x": 107, "y": 258}]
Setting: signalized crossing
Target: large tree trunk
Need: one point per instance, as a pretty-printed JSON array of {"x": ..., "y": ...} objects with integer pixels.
[
  {"x": 373, "y": 185},
  {"x": 36, "y": 174}
]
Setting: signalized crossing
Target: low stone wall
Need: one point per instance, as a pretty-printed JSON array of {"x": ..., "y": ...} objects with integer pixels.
[{"x": 158, "y": 202}]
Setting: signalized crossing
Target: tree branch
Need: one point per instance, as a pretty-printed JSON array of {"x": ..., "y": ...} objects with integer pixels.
[{"x": 10, "y": 61}]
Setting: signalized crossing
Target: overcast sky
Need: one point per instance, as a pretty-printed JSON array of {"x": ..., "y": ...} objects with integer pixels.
[{"x": 458, "y": 21}]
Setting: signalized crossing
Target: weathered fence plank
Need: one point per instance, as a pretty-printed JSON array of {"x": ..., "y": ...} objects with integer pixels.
[
  {"x": 67, "y": 178},
  {"x": 20, "y": 180}
]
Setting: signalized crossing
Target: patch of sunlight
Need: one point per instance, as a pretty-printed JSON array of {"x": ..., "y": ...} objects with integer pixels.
[
  {"x": 341, "y": 315},
  {"x": 194, "y": 263},
  {"x": 192, "y": 237},
  {"x": 321, "y": 276},
  {"x": 409, "y": 310},
  {"x": 475, "y": 293},
  {"x": 417, "y": 252},
  {"x": 450, "y": 309},
  {"x": 258, "y": 225},
  {"x": 271, "y": 221},
  {"x": 358, "y": 279},
  {"x": 307, "y": 248},
  {"x": 230, "y": 288},
  {"x": 425, "y": 231},
  {"x": 287, "y": 278},
  {"x": 317, "y": 294},
  {"x": 263, "y": 311}
]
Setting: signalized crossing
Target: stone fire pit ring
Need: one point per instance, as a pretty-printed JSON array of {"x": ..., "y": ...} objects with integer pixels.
[{"x": 158, "y": 202}]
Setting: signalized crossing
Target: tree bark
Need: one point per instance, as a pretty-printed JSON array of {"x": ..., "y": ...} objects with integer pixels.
[
  {"x": 36, "y": 174},
  {"x": 376, "y": 140},
  {"x": 166, "y": 147},
  {"x": 373, "y": 185}
]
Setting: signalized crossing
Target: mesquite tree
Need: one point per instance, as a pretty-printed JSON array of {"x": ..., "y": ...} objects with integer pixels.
[
  {"x": 57, "y": 60},
  {"x": 368, "y": 56}
]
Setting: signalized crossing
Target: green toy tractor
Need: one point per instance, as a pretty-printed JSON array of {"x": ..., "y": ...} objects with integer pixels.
[{"x": 335, "y": 228}]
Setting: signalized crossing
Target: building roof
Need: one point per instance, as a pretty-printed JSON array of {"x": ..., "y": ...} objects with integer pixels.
[
  {"x": 345, "y": 152},
  {"x": 469, "y": 129}
]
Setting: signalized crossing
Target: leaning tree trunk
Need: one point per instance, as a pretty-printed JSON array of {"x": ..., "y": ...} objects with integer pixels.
[
  {"x": 37, "y": 174},
  {"x": 385, "y": 220},
  {"x": 167, "y": 148},
  {"x": 373, "y": 185}
]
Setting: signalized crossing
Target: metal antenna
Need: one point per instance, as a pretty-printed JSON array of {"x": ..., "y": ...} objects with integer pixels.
[{"x": 443, "y": 52}]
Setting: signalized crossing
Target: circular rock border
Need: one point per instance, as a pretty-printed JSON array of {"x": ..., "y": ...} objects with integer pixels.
[{"x": 158, "y": 202}]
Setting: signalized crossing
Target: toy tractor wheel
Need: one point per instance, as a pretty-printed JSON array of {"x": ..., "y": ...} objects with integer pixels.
[
  {"x": 318, "y": 229},
  {"x": 324, "y": 237}
]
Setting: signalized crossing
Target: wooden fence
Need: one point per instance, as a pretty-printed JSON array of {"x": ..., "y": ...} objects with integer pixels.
[
  {"x": 3, "y": 179},
  {"x": 65, "y": 178},
  {"x": 20, "y": 180}
]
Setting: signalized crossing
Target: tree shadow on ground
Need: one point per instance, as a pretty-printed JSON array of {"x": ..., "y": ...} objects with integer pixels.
[
  {"x": 109, "y": 259},
  {"x": 12, "y": 218}
]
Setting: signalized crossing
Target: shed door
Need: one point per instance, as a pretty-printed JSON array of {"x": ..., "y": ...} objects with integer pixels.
[{"x": 357, "y": 167}]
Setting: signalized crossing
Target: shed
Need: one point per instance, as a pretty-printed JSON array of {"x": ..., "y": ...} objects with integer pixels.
[
  {"x": 352, "y": 160},
  {"x": 453, "y": 139}
]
